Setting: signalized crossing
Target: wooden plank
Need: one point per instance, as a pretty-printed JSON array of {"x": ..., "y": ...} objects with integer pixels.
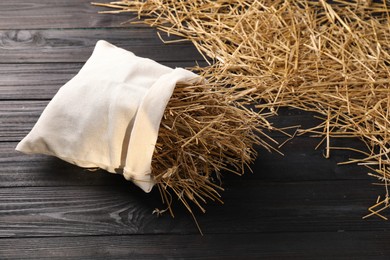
[
  {"x": 300, "y": 162},
  {"x": 314, "y": 245},
  {"x": 22, "y": 14},
  {"x": 20, "y": 170},
  {"x": 76, "y": 45},
  {"x": 42, "y": 80},
  {"x": 18, "y": 116},
  {"x": 34, "y": 81},
  {"x": 250, "y": 207}
]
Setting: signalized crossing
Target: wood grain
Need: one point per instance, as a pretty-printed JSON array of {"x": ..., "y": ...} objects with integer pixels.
[
  {"x": 34, "y": 81},
  {"x": 33, "y": 14},
  {"x": 76, "y": 45},
  {"x": 307, "y": 245},
  {"x": 268, "y": 207},
  {"x": 39, "y": 81},
  {"x": 20, "y": 170},
  {"x": 19, "y": 116}
]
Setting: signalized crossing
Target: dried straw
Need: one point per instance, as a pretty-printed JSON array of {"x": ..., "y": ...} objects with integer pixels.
[
  {"x": 332, "y": 59},
  {"x": 203, "y": 132}
]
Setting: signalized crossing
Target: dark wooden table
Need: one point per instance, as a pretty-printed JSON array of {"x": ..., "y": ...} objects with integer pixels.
[{"x": 299, "y": 205}]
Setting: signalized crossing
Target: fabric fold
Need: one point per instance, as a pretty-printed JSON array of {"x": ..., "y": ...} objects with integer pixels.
[{"x": 108, "y": 115}]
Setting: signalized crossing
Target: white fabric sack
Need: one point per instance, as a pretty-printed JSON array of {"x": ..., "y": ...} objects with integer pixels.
[{"x": 108, "y": 115}]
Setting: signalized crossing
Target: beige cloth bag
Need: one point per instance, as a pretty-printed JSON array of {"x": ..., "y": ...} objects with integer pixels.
[{"x": 108, "y": 115}]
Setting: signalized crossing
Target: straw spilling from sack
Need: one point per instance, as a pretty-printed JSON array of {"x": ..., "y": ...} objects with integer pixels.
[
  {"x": 332, "y": 59},
  {"x": 203, "y": 132}
]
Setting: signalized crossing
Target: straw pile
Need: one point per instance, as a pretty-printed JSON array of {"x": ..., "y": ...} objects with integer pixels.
[
  {"x": 203, "y": 132},
  {"x": 332, "y": 59}
]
